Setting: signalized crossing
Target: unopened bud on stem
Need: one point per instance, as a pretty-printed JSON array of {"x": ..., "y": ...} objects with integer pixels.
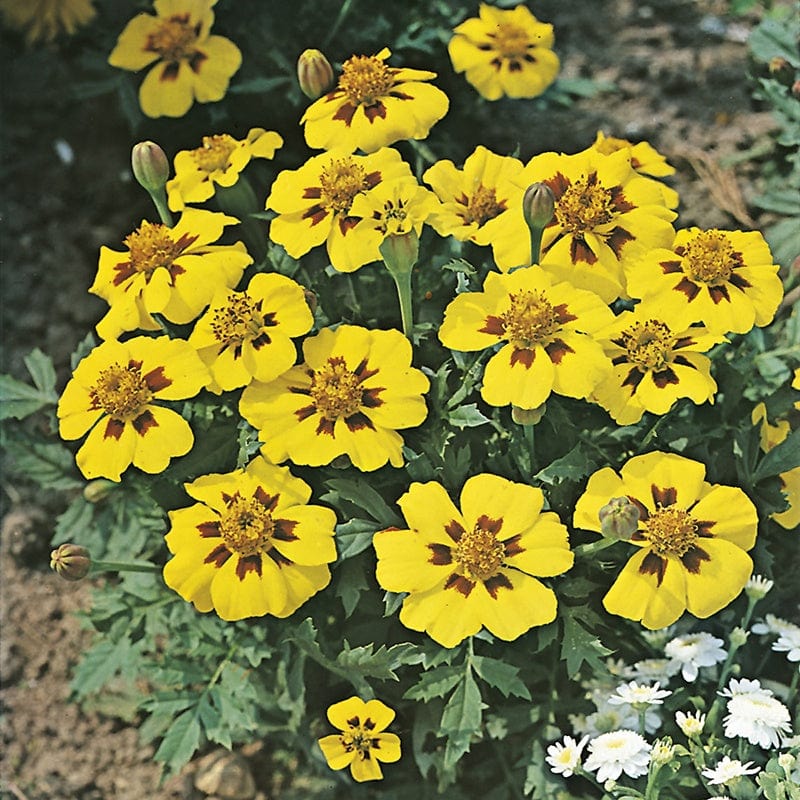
[
  {"x": 150, "y": 166},
  {"x": 314, "y": 74},
  {"x": 538, "y": 207},
  {"x": 71, "y": 561},
  {"x": 619, "y": 519},
  {"x": 97, "y": 490}
]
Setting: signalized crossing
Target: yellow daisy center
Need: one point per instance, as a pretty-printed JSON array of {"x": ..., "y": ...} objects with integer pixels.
[
  {"x": 483, "y": 206},
  {"x": 246, "y": 526},
  {"x": 239, "y": 320},
  {"x": 341, "y": 181},
  {"x": 709, "y": 258},
  {"x": 151, "y": 246},
  {"x": 175, "y": 38},
  {"x": 365, "y": 79},
  {"x": 530, "y": 320},
  {"x": 670, "y": 531},
  {"x": 649, "y": 344},
  {"x": 511, "y": 41},
  {"x": 121, "y": 392},
  {"x": 336, "y": 390},
  {"x": 215, "y": 152},
  {"x": 479, "y": 554},
  {"x": 584, "y": 206}
]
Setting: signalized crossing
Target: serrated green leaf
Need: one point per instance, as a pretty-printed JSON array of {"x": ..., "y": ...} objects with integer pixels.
[
  {"x": 574, "y": 466},
  {"x": 503, "y": 676},
  {"x": 40, "y": 367},
  {"x": 579, "y": 646},
  {"x": 435, "y": 682},
  {"x": 781, "y": 458},
  {"x": 51, "y": 465},
  {"x": 181, "y": 741},
  {"x": 773, "y": 38},
  {"x": 353, "y": 537},
  {"x": 380, "y": 663},
  {"x": 351, "y": 582},
  {"x": 362, "y": 495},
  {"x": 468, "y": 416},
  {"x": 19, "y": 400},
  {"x": 461, "y": 719},
  {"x": 99, "y": 665}
]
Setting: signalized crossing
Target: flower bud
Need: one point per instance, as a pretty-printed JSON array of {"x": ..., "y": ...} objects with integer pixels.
[
  {"x": 538, "y": 205},
  {"x": 314, "y": 74},
  {"x": 619, "y": 519},
  {"x": 738, "y": 637},
  {"x": 97, "y": 490},
  {"x": 150, "y": 166},
  {"x": 400, "y": 252},
  {"x": 71, "y": 561},
  {"x": 528, "y": 416},
  {"x": 757, "y": 587}
]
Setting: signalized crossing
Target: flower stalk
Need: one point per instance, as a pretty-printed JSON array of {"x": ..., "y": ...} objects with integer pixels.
[
  {"x": 400, "y": 253},
  {"x": 240, "y": 201}
]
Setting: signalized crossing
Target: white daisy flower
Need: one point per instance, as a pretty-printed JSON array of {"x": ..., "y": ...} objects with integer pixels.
[
  {"x": 727, "y": 770},
  {"x": 691, "y": 724},
  {"x": 613, "y": 753},
  {"x": 755, "y": 714},
  {"x": 564, "y": 758},
  {"x": 757, "y": 587},
  {"x": 638, "y": 696},
  {"x": 774, "y": 625},
  {"x": 789, "y": 643},
  {"x": 653, "y": 669},
  {"x": 694, "y": 650}
]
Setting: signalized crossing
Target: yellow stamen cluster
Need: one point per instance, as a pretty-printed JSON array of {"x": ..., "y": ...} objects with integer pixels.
[
  {"x": 336, "y": 390},
  {"x": 531, "y": 320},
  {"x": 246, "y": 526},
  {"x": 511, "y": 41},
  {"x": 584, "y": 206},
  {"x": 365, "y": 79},
  {"x": 649, "y": 344},
  {"x": 479, "y": 554},
  {"x": 151, "y": 246},
  {"x": 359, "y": 737},
  {"x": 174, "y": 40},
  {"x": 482, "y": 206},
  {"x": 238, "y": 321},
  {"x": 670, "y": 531},
  {"x": 393, "y": 218},
  {"x": 121, "y": 392},
  {"x": 215, "y": 152},
  {"x": 709, "y": 258},
  {"x": 341, "y": 181}
]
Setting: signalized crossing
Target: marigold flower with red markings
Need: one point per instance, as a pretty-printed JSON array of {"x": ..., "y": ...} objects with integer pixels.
[
  {"x": 247, "y": 335},
  {"x": 546, "y": 331},
  {"x": 169, "y": 271},
  {"x": 656, "y": 363},
  {"x": 315, "y": 205},
  {"x": 725, "y": 280},
  {"x": 363, "y": 741},
  {"x": 115, "y": 394},
  {"x": 188, "y": 62},
  {"x": 251, "y": 545},
  {"x": 374, "y": 105},
  {"x": 505, "y": 52},
  {"x": 217, "y": 162},
  {"x": 44, "y": 20},
  {"x": 693, "y": 538},
  {"x": 356, "y": 389},
  {"x": 474, "y": 567}
]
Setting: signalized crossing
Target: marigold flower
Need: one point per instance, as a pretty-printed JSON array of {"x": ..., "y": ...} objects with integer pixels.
[
  {"x": 314, "y": 205},
  {"x": 474, "y": 200},
  {"x": 191, "y": 63},
  {"x": 725, "y": 280},
  {"x": 693, "y": 537},
  {"x": 114, "y": 394},
  {"x": 44, "y": 20},
  {"x": 355, "y": 390},
  {"x": 474, "y": 567},
  {"x": 246, "y": 336},
  {"x": 251, "y": 545},
  {"x": 394, "y": 208},
  {"x": 546, "y": 333},
  {"x": 170, "y": 271},
  {"x": 505, "y": 52},
  {"x": 655, "y": 364},
  {"x": 363, "y": 741},
  {"x": 606, "y": 216},
  {"x": 217, "y": 162},
  {"x": 374, "y": 105}
]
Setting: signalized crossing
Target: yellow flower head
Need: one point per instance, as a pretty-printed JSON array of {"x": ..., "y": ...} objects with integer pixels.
[
  {"x": 188, "y": 62},
  {"x": 44, "y": 20},
  {"x": 394, "y": 208},
  {"x": 655, "y": 364},
  {"x": 251, "y": 545},
  {"x": 246, "y": 336},
  {"x": 546, "y": 334},
  {"x": 217, "y": 162},
  {"x": 606, "y": 216},
  {"x": 315, "y": 205},
  {"x": 115, "y": 395},
  {"x": 363, "y": 741},
  {"x": 474, "y": 567},
  {"x": 170, "y": 271},
  {"x": 505, "y": 52},
  {"x": 374, "y": 105},
  {"x": 692, "y": 538},
  {"x": 724, "y": 279},
  {"x": 355, "y": 390}
]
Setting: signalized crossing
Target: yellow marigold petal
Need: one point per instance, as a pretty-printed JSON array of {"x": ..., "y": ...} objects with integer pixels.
[
  {"x": 351, "y": 250},
  {"x": 298, "y": 233},
  {"x": 189, "y": 576},
  {"x": 406, "y": 563},
  {"x": 167, "y": 92},
  {"x": 445, "y": 615},
  {"x": 340, "y": 713},
  {"x": 544, "y": 549},
  {"x": 252, "y": 595},
  {"x": 222, "y": 59},
  {"x": 507, "y": 378},
  {"x": 428, "y": 509},
  {"x": 105, "y": 456},
  {"x": 381, "y": 715},
  {"x": 664, "y": 470},
  {"x": 516, "y": 504},
  {"x": 365, "y": 769},
  {"x": 790, "y": 486},
  {"x": 129, "y": 52},
  {"x": 172, "y": 437},
  {"x": 313, "y": 535},
  {"x": 388, "y": 749},
  {"x": 302, "y": 583},
  {"x": 717, "y": 580},
  {"x": 335, "y": 753},
  {"x": 734, "y": 516}
]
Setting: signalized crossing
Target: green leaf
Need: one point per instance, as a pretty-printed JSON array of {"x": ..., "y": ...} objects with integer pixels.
[
  {"x": 42, "y": 371},
  {"x": 351, "y": 582},
  {"x": 781, "y": 458},
  {"x": 381, "y": 663},
  {"x": 435, "y": 682},
  {"x": 540, "y": 783},
  {"x": 468, "y": 416},
  {"x": 461, "y": 719},
  {"x": 362, "y": 495},
  {"x": 51, "y": 465},
  {"x": 100, "y": 664},
  {"x": 501, "y": 675},
  {"x": 19, "y": 400},
  {"x": 181, "y": 740},
  {"x": 775, "y": 38},
  {"x": 574, "y": 466},
  {"x": 579, "y": 645},
  {"x": 353, "y": 537}
]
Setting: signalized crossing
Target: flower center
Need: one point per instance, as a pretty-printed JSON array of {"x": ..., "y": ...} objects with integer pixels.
[
  {"x": 174, "y": 39},
  {"x": 483, "y": 206},
  {"x": 365, "y": 79},
  {"x": 336, "y": 390},
  {"x": 215, "y": 152},
  {"x": 121, "y": 392},
  {"x": 709, "y": 258},
  {"x": 584, "y": 205},
  {"x": 511, "y": 41},
  {"x": 151, "y": 247},
  {"x": 341, "y": 181},
  {"x": 479, "y": 554},
  {"x": 649, "y": 344},
  {"x": 241, "y": 319},
  {"x": 530, "y": 320},
  {"x": 359, "y": 737},
  {"x": 394, "y": 218},
  {"x": 670, "y": 531},
  {"x": 246, "y": 526}
]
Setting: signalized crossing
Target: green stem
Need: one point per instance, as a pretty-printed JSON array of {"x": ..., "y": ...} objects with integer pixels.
[
  {"x": 402, "y": 280},
  {"x": 536, "y": 244},
  {"x": 123, "y": 566},
  {"x": 159, "y": 198},
  {"x": 593, "y": 547},
  {"x": 642, "y": 721},
  {"x": 240, "y": 201}
]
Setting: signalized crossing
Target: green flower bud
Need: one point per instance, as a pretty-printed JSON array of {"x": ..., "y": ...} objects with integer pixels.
[
  {"x": 97, "y": 490},
  {"x": 314, "y": 74},
  {"x": 619, "y": 519},
  {"x": 528, "y": 416},
  {"x": 150, "y": 166},
  {"x": 71, "y": 561},
  {"x": 738, "y": 637},
  {"x": 538, "y": 205},
  {"x": 400, "y": 252}
]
